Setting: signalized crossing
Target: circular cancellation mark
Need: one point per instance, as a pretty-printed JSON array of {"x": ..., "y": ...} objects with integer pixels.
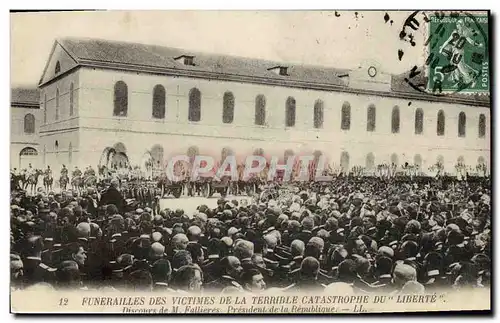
[{"x": 457, "y": 52}]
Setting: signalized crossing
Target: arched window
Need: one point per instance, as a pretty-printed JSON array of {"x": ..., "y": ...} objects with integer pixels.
[
  {"x": 120, "y": 99},
  {"x": 345, "y": 123},
  {"x": 395, "y": 120},
  {"x": 194, "y": 113},
  {"x": 258, "y": 152},
  {"x": 419, "y": 121},
  {"x": 57, "y": 104},
  {"x": 482, "y": 126},
  {"x": 440, "y": 160},
  {"x": 344, "y": 161},
  {"x": 28, "y": 151},
  {"x": 71, "y": 102},
  {"x": 226, "y": 151},
  {"x": 29, "y": 123},
  {"x": 45, "y": 109},
  {"x": 70, "y": 153},
  {"x": 157, "y": 153},
  {"x": 371, "y": 118},
  {"x": 440, "y": 123},
  {"x": 417, "y": 160},
  {"x": 288, "y": 153},
  {"x": 370, "y": 162},
  {"x": 318, "y": 114},
  {"x": 192, "y": 152},
  {"x": 394, "y": 159},
  {"x": 260, "y": 110},
  {"x": 462, "y": 119},
  {"x": 159, "y": 98},
  {"x": 57, "y": 70},
  {"x": 290, "y": 112},
  {"x": 228, "y": 108}
]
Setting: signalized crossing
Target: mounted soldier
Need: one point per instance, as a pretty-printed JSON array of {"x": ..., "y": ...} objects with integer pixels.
[
  {"x": 76, "y": 179},
  {"x": 48, "y": 180},
  {"x": 63, "y": 179}
]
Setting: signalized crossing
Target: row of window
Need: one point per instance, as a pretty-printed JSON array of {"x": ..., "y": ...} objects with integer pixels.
[{"x": 194, "y": 113}]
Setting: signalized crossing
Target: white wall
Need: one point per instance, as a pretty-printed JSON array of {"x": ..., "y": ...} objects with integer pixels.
[{"x": 139, "y": 131}]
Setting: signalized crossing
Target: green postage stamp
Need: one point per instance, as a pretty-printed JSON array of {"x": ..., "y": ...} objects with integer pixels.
[{"x": 458, "y": 53}]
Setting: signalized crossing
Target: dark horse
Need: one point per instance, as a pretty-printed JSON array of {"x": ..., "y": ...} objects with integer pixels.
[
  {"x": 48, "y": 180},
  {"x": 32, "y": 181},
  {"x": 63, "y": 182}
]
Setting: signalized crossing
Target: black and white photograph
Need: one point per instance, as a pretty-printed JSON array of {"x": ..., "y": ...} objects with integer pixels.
[{"x": 250, "y": 162}]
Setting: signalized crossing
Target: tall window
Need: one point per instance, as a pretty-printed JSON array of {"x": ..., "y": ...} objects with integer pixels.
[
  {"x": 440, "y": 123},
  {"x": 260, "y": 110},
  {"x": 228, "y": 108},
  {"x": 318, "y": 114},
  {"x": 159, "y": 98},
  {"x": 345, "y": 123},
  {"x": 120, "y": 99},
  {"x": 440, "y": 160},
  {"x": 344, "y": 161},
  {"x": 290, "y": 112},
  {"x": 370, "y": 161},
  {"x": 395, "y": 159},
  {"x": 461, "y": 124},
  {"x": 45, "y": 109},
  {"x": 192, "y": 152},
  {"x": 29, "y": 123},
  {"x": 194, "y": 105},
  {"x": 57, "y": 69},
  {"x": 482, "y": 126},
  {"x": 371, "y": 118},
  {"x": 226, "y": 151},
  {"x": 71, "y": 102},
  {"x": 57, "y": 104},
  {"x": 417, "y": 160},
  {"x": 395, "y": 120},
  {"x": 419, "y": 121}
]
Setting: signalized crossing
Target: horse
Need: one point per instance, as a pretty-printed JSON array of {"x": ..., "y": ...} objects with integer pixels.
[
  {"x": 63, "y": 182},
  {"x": 76, "y": 183},
  {"x": 48, "y": 180},
  {"x": 32, "y": 181}
]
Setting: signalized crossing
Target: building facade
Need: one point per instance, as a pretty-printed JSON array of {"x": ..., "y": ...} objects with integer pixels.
[
  {"x": 24, "y": 124},
  {"x": 117, "y": 104}
]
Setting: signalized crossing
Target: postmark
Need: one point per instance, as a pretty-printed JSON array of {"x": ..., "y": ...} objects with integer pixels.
[{"x": 455, "y": 51}]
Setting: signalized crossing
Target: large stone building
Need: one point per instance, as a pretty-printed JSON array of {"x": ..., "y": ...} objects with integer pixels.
[
  {"x": 24, "y": 125},
  {"x": 107, "y": 102}
]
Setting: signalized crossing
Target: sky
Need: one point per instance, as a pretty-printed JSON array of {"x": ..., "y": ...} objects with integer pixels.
[{"x": 326, "y": 38}]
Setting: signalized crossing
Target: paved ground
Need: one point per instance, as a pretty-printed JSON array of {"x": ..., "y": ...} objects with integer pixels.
[{"x": 189, "y": 204}]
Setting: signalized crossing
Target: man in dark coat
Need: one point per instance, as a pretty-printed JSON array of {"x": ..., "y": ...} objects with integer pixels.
[{"x": 113, "y": 196}]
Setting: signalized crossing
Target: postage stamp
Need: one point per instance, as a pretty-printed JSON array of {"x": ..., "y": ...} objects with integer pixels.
[
  {"x": 250, "y": 162},
  {"x": 458, "y": 53}
]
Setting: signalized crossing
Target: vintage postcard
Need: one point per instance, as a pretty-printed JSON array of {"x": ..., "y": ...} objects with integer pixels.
[{"x": 250, "y": 162}]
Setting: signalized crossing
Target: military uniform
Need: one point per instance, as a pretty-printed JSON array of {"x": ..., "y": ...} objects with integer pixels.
[{"x": 223, "y": 282}]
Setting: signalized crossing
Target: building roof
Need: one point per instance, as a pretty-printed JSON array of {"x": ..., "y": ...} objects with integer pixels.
[
  {"x": 25, "y": 96},
  {"x": 164, "y": 60},
  {"x": 165, "y": 57}
]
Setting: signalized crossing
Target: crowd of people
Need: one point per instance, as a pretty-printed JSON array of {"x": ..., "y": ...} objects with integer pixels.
[{"x": 368, "y": 235}]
